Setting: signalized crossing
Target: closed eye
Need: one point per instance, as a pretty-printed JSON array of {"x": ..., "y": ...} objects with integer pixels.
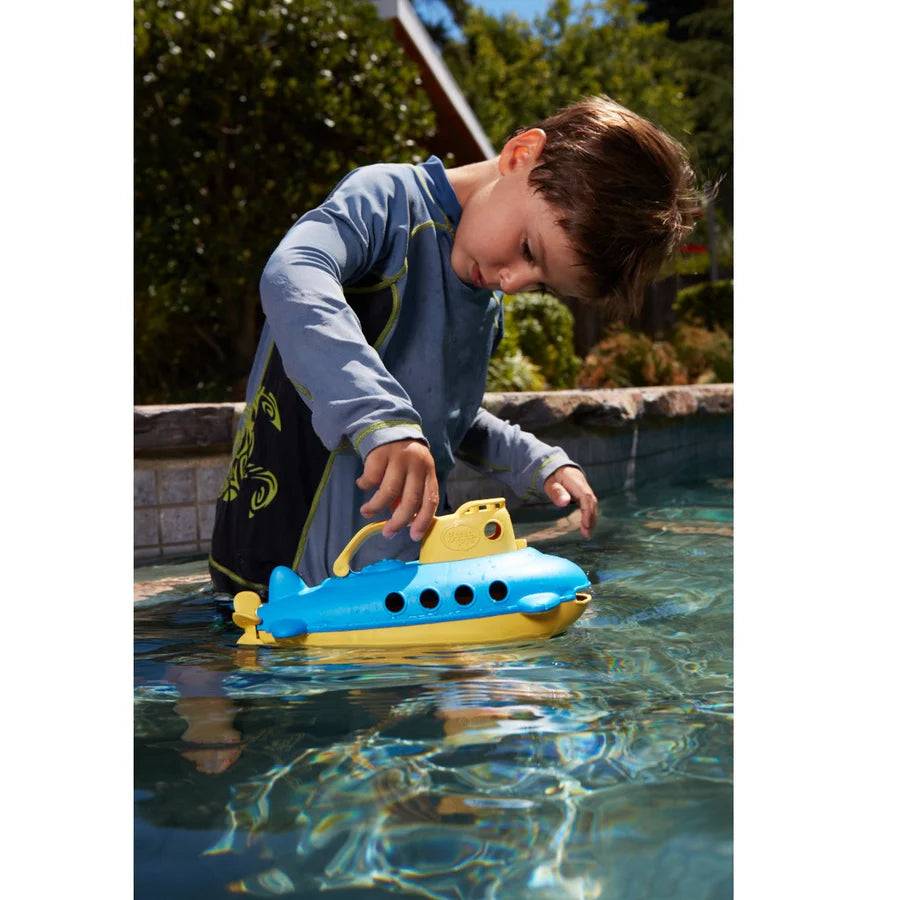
[{"x": 529, "y": 258}]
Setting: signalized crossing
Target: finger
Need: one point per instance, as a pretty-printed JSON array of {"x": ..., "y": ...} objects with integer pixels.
[
  {"x": 390, "y": 488},
  {"x": 373, "y": 472},
  {"x": 588, "y": 506},
  {"x": 558, "y": 494},
  {"x": 427, "y": 509},
  {"x": 587, "y": 503},
  {"x": 409, "y": 501},
  {"x": 575, "y": 485},
  {"x": 384, "y": 498}
]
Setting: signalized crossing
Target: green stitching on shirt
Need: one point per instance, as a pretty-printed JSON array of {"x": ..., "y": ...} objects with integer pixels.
[
  {"x": 237, "y": 578},
  {"x": 420, "y": 177},
  {"x": 392, "y": 318},
  {"x": 300, "y": 389},
  {"x": 304, "y": 535},
  {"x": 431, "y": 224},
  {"x": 379, "y": 425},
  {"x": 543, "y": 466},
  {"x": 385, "y": 281},
  {"x": 448, "y": 225}
]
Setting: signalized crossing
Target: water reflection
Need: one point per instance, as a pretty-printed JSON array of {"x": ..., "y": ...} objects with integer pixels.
[{"x": 594, "y": 764}]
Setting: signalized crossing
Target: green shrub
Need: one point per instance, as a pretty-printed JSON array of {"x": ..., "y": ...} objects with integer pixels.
[
  {"x": 538, "y": 331},
  {"x": 626, "y": 358},
  {"x": 246, "y": 113},
  {"x": 513, "y": 372},
  {"x": 710, "y": 304},
  {"x": 699, "y": 262},
  {"x": 706, "y": 354}
]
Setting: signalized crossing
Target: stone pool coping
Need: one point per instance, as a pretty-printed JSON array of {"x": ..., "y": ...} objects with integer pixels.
[{"x": 621, "y": 437}]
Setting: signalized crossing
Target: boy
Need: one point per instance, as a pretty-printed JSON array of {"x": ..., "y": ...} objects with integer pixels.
[{"x": 382, "y": 313}]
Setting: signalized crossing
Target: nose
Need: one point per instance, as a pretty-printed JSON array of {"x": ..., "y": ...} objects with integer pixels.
[{"x": 516, "y": 278}]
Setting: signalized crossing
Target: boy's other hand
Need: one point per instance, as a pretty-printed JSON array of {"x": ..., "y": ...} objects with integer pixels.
[
  {"x": 568, "y": 484},
  {"x": 403, "y": 473}
]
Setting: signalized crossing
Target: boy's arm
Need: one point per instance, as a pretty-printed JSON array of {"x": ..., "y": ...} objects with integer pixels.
[
  {"x": 325, "y": 354},
  {"x": 527, "y": 465}
]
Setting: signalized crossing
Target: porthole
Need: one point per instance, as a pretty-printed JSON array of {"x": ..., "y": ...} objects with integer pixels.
[
  {"x": 394, "y": 602},
  {"x": 492, "y": 530},
  {"x": 498, "y": 590},
  {"x": 464, "y": 595},
  {"x": 429, "y": 598}
]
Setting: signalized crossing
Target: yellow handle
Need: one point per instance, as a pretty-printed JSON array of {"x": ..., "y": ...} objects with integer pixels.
[
  {"x": 341, "y": 565},
  {"x": 478, "y": 528}
]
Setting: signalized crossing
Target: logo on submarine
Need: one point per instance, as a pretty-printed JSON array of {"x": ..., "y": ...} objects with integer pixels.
[{"x": 459, "y": 538}]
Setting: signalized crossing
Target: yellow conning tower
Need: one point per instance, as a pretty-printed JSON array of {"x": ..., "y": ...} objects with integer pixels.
[{"x": 477, "y": 528}]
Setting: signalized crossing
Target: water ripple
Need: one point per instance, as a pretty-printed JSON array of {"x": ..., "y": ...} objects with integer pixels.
[{"x": 597, "y": 764}]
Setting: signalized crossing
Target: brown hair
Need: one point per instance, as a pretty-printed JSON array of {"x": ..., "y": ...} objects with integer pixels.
[{"x": 625, "y": 193}]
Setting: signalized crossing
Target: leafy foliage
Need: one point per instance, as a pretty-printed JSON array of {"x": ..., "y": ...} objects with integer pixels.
[
  {"x": 627, "y": 358},
  {"x": 542, "y": 326},
  {"x": 703, "y": 31},
  {"x": 699, "y": 263},
  {"x": 536, "y": 351},
  {"x": 511, "y": 370},
  {"x": 710, "y": 304},
  {"x": 514, "y": 73},
  {"x": 247, "y": 112},
  {"x": 707, "y": 354}
]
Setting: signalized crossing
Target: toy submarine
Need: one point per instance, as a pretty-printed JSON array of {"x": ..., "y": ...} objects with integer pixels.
[{"x": 474, "y": 583}]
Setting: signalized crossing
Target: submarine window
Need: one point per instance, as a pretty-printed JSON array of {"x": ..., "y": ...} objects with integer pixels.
[
  {"x": 464, "y": 595},
  {"x": 498, "y": 590},
  {"x": 394, "y": 602},
  {"x": 492, "y": 530},
  {"x": 429, "y": 598}
]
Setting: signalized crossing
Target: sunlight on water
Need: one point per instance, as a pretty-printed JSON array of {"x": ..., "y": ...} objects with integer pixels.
[{"x": 597, "y": 764}]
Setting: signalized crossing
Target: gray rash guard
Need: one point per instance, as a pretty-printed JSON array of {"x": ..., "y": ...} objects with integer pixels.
[{"x": 370, "y": 337}]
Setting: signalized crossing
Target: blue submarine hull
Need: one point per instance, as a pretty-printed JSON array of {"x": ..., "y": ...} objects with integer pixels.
[{"x": 516, "y": 595}]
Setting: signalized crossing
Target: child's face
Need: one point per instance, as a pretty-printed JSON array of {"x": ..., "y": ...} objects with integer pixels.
[{"x": 508, "y": 237}]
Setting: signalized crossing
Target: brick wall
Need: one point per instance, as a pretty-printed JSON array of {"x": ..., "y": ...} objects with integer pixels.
[{"x": 174, "y": 504}]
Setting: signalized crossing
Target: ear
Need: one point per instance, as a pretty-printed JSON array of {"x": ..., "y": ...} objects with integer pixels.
[{"x": 523, "y": 149}]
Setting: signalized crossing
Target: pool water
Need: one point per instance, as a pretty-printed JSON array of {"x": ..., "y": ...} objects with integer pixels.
[{"x": 596, "y": 764}]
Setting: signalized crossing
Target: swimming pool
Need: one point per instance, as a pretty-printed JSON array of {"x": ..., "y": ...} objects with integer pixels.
[{"x": 597, "y": 764}]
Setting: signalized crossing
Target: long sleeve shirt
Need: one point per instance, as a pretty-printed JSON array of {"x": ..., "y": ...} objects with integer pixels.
[{"x": 370, "y": 337}]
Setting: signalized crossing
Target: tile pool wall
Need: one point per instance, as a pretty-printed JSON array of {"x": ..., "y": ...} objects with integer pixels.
[{"x": 620, "y": 437}]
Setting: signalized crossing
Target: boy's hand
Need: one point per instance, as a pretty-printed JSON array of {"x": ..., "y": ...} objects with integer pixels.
[
  {"x": 568, "y": 483},
  {"x": 403, "y": 472}
]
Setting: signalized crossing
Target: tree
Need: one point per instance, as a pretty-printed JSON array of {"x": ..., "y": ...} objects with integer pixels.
[
  {"x": 672, "y": 12},
  {"x": 704, "y": 33},
  {"x": 514, "y": 73},
  {"x": 247, "y": 112}
]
